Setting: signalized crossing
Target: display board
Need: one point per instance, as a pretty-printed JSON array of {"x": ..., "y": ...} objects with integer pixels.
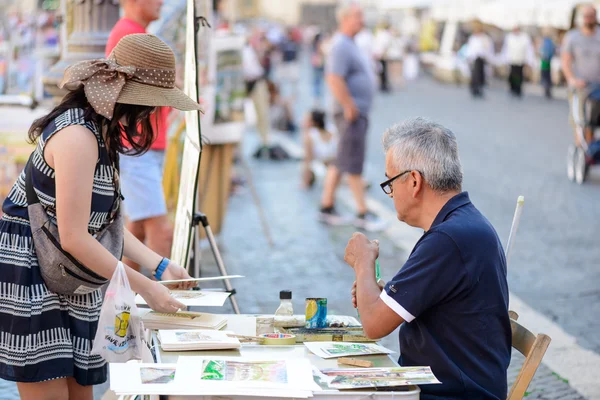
[
  {"x": 225, "y": 92},
  {"x": 196, "y": 63}
]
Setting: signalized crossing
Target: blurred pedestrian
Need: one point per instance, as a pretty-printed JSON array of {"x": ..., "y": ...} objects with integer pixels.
[
  {"x": 288, "y": 69},
  {"x": 381, "y": 48},
  {"x": 348, "y": 78},
  {"x": 317, "y": 61},
  {"x": 319, "y": 144},
  {"x": 257, "y": 90},
  {"x": 517, "y": 52},
  {"x": 265, "y": 50},
  {"x": 281, "y": 111},
  {"x": 411, "y": 65},
  {"x": 581, "y": 64},
  {"x": 141, "y": 175},
  {"x": 547, "y": 51},
  {"x": 480, "y": 50},
  {"x": 364, "y": 40}
]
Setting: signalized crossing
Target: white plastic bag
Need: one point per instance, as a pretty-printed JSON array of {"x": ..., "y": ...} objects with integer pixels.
[{"x": 120, "y": 329}]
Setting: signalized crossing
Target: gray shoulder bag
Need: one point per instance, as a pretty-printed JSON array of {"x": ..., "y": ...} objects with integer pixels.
[{"x": 61, "y": 272}]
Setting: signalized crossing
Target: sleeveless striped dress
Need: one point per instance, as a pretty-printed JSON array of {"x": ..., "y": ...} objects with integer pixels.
[{"x": 44, "y": 335}]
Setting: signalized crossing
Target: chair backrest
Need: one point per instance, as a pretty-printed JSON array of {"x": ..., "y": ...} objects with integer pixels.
[{"x": 533, "y": 348}]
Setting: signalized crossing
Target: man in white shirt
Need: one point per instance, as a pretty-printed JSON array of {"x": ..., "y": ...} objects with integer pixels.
[
  {"x": 381, "y": 47},
  {"x": 480, "y": 50},
  {"x": 516, "y": 52}
]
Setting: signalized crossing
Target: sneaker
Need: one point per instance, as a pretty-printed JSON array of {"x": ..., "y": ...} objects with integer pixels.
[
  {"x": 370, "y": 222},
  {"x": 330, "y": 216}
]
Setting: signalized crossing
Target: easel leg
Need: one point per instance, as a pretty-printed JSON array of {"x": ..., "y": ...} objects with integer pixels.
[{"x": 200, "y": 218}]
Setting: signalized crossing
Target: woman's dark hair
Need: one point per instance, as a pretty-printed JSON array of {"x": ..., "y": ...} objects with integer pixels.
[
  {"x": 317, "y": 41},
  {"x": 133, "y": 139},
  {"x": 318, "y": 119}
]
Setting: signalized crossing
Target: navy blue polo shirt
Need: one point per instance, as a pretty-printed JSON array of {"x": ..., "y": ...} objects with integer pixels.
[{"x": 453, "y": 294}]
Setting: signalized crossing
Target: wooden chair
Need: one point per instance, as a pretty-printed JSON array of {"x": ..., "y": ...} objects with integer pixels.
[{"x": 533, "y": 348}]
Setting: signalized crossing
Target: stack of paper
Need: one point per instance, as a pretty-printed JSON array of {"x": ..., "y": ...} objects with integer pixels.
[
  {"x": 216, "y": 376},
  {"x": 340, "y": 349},
  {"x": 194, "y": 298},
  {"x": 182, "y": 340},
  {"x": 183, "y": 320}
]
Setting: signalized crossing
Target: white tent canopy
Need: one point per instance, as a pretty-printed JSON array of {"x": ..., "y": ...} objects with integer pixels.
[
  {"x": 507, "y": 14},
  {"x": 556, "y": 13},
  {"x": 456, "y": 10},
  {"x": 404, "y": 4}
]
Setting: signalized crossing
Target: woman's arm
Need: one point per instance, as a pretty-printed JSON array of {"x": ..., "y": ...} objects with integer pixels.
[
  {"x": 144, "y": 256},
  {"x": 73, "y": 153},
  {"x": 139, "y": 253},
  {"x": 308, "y": 148}
]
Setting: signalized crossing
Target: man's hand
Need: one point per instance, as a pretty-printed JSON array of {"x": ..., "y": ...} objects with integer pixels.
[
  {"x": 351, "y": 112},
  {"x": 361, "y": 252},
  {"x": 174, "y": 271},
  {"x": 380, "y": 283},
  {"x": 577, "y": 83}
]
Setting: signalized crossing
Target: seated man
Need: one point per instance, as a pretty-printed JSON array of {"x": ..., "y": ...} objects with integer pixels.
[{"x": 451, "y": 296}]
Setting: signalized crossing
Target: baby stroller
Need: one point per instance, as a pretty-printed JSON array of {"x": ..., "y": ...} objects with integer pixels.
[{"x": 581, "y": 156}]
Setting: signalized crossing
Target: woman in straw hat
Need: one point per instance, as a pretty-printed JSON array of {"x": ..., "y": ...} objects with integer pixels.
[{"x": 45, "y": 337}]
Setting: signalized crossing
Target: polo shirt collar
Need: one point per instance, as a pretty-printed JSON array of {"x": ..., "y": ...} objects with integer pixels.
[{"x": 457, "y": 201}]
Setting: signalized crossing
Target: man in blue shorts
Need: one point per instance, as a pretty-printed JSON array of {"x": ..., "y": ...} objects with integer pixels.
[{"x": 352, "y": 85}]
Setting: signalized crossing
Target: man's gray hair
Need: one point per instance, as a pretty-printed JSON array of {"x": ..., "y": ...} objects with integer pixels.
[
  {"x": 344, "y": 9},
  {"x": 430, "y": 148}
]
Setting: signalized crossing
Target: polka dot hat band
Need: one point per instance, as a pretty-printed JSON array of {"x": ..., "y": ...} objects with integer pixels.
[{"x": 140, "y": 70}]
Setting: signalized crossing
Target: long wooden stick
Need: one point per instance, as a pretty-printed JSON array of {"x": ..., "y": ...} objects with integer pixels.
[
  {"x": 247, "y": 338},
  {"x": 514, "y": 227},
  {"x": 261, "y": 213}
]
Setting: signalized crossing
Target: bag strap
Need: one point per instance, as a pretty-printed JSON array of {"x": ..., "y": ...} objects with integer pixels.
[{"x": 32, "y": 197}]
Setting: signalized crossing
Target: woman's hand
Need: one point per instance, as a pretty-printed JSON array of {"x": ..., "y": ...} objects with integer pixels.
[
  {"x": 175, "y": 271},
  {"x": 159, "y": 298}
]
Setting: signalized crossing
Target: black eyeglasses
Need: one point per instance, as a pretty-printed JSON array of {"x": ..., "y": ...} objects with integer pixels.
[{"x": 387, "y": 185}]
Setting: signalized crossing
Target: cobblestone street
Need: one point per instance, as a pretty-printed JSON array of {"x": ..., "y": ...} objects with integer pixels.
[{"x": 508, "y": 148}]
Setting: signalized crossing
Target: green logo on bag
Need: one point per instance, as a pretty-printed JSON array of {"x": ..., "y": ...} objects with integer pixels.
[{"x": 122, "y": 323}]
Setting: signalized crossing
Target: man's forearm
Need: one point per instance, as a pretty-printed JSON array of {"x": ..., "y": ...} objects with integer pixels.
[
  {"x": 339, "y": 89},
  {"x": 367, "y": 294},
  {"x": 567, "y": 67}
]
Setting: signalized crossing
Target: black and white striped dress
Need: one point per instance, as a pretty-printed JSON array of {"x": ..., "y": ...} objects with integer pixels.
[{"x": 44, "y": 335}]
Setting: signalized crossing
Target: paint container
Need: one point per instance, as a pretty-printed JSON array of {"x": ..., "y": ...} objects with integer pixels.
[{"x": 316, "y": 313}]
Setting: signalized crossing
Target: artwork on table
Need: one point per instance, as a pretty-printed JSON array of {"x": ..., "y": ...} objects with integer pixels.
[
  {"x": 181, "y": 340},
  {"x": 245, "y": 371},
  {"x": 195, "y": 298},
  {"x": 342, "y": 349},
  {"x": 158, "y": 374},
  {"x": 360, "y": 378},
  {"x": 191, "y": 336}
]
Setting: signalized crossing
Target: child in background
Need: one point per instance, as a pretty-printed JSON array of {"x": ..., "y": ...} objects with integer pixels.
[{"x": 319, "y": 144}]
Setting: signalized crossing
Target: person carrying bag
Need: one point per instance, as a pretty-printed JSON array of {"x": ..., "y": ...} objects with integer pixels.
[{"x": 61, "y": 232}]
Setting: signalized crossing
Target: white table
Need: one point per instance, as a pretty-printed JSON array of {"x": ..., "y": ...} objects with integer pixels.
[{"x": 246, "y": 325}]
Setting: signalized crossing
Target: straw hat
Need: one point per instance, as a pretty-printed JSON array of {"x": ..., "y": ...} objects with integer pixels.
[{"x": 140, "y": 70}]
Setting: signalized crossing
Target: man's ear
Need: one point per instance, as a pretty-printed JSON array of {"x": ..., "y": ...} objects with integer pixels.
[{"x": 417, "y": 183}]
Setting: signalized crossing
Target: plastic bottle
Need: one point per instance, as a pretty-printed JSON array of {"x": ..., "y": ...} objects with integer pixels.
[{"x": 285, "y": 307}]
